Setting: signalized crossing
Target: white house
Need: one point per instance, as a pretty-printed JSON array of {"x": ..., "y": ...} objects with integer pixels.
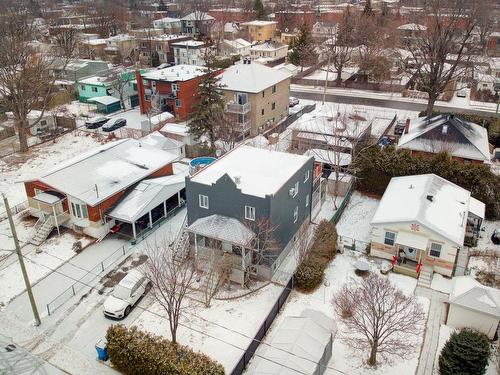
[
  {"x": 189, "y": 52},
  {"x": 424, "y": 220},
  {"x": 39, "y": 125},
  {"x": 168, "y": 24},
  {"x": 474, "y": 305},
  {"x": 266, "y": 52},
  {"x": 235, "y": 47}
]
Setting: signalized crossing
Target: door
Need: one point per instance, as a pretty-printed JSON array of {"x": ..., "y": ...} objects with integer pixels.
[{"x": 411, "y": 253}]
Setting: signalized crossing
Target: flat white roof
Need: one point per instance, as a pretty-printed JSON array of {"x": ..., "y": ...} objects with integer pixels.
[
  {"x": 259, "y": 23},
  {"x": 260, "y": 172},
  {"x": 106, "y": 170},
  {"x": 105, "y": 100},
  {"x": 188, "y": 43},
  {"x": 429, "y": 200},
  {"x": 175, "y": 73},
  {"x": 252, "y": 78}
]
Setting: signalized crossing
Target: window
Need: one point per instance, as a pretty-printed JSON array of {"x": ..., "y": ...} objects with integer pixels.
[
  {"x": 296, "y": 214},
  {"x": 262, "y": 112},
  {"x": 43, "y": 123},
  {"x": 175, "y": 87},
  {"x": 79, "y": 210},
  {"x": 158, "y": 47},
  {"x": 390, "y": 238},
  {"x": 147, "y": 97},
  {"x": 296, "y": 189},
  {"x": 307, "y": 200},
  {"x": 134, "y": 86},
  {"x": 435, "y": 250},
  {"x": 153, "y": 85},
  {"x": 249, "y": 213},
  {"x": 203, "y": 200},
  {"x": 38, "y": 191},
  {"x": 263, "y": 93},
  {"x": 306, "y": 176},
  {"x": 273, "y": 106},
  {"x": 82, "y": 87},
  {"x": 177, "y": 102},
  {"x": 94, "y": 89},
  {"x": 274, "y": 89}
]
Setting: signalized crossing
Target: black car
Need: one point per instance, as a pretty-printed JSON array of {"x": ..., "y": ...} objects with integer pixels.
[
  {"x": 114, "y": 124},
  {"x": 96, "y": 122},
  {"x": 495, "y": 237}
]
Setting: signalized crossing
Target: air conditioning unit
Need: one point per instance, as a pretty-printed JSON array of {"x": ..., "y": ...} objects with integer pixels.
[{"x": 291, "y": 192}]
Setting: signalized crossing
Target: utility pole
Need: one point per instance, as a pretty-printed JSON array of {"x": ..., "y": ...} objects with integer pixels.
[
  {"x": 326, "y": 80},
  {"x": 21, "y": 262}
]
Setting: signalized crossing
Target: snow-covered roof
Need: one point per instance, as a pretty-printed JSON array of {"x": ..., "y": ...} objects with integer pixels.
[
  {"x": 412, "y": 27},
  {"x": 175, "y": 73},
  {"x": 188, "y": 43},
  {"x": 106, "y": 170},
  {"x": 447, "y": 133},
  {"x": 223, "y": 228},
  {"x": 156, "y": 119},
  {"x": 469, "y": 293},
  {"x": 95, "y": 80},
  {"x": 147, "y": 195},
  {"x": 349, "y": 125},
  {"x": 179, "y": 129},
  {"x": 237, "y": 43},
  {"x": 167, "y": 20},
  {"x": 429, "y": 200},
  {"x": 158, "y": 140},
  {"x": 268, "y": 46},
  {"x": 252, "y": 78},
  {"x": 259, "y": 23},
  {"x": 105, "y": 100},
  {"x": 329, "y": 156},
  {"x": 259, "y": 172},
  {"x": 299, "y": 342},
  {"x": 198, "y": 16}
]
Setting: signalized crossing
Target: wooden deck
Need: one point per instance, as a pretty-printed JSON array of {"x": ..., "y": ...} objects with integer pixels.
[{"x": 406, "y": 269}]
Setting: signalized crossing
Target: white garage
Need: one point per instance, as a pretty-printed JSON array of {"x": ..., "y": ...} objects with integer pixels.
[{"x": 474, "y": 305}]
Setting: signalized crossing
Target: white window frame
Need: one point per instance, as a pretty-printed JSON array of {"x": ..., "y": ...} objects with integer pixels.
[
  {"x": 296, "y": 189},
  {"x": 307, "y": 200},
  {"x": 79, "y": 210},
  {"x": 250, "y": 213},
  {"x": 296, "y": 214},
  {"x": 203, "y": 201},
  {"x": 386, "y": 238},
  {"x": 306, "y": 176},
  {"x": 94, "y": 89},
  {"x": 431, "y": 249},
  {"x": 175, "y": 87}
]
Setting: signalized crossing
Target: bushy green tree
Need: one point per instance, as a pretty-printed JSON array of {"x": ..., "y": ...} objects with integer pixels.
[
  {"x": 465, "y": 353},
  {"x": 258, "y": 9},
  {"x": 303, "y": 49}
]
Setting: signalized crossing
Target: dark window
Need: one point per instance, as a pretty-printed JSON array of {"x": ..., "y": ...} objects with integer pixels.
[{"x": 390, "y": 238}]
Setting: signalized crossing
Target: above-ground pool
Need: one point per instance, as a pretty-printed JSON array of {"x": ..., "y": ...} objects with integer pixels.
[{"x": 199, "y": 163}]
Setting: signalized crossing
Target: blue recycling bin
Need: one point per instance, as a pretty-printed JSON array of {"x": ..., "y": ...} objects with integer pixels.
[{"x": 102, "y": 350}]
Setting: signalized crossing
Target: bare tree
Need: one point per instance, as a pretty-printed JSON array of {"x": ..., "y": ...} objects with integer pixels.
[
  {"x": 264, "y": 243},
  {"x": 380, "y": 317},
  {"x": 120, "y": 80},
  {"x": 449, "y": 30},
  {"x": 25, "y": 81},
  {"x": 303, "y": 243},
  {"x": 173, "y": 280},
  {"x": 65, "y": 43},
  {"x": 487, "y": 13},
  {"x": 216, "y": 274}
]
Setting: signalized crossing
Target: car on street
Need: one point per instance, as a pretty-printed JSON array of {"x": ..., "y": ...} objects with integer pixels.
[
  {"x": 495, "y": 237},
  {"x": 384, "y": 142},
  {"x": 292, "y": 102},
  {"x": 96, "y": 122},
  {"x": 125, "y": 295},
  {"x": 114, "y": 124},
  {"x": 462, "y": 93}
]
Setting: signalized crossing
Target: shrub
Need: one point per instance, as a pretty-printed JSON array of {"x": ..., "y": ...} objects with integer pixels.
[
  {"x": 310, "y": 272},
  {"x": 134, "y": 352},
  {"x": 466, "y": 352}
]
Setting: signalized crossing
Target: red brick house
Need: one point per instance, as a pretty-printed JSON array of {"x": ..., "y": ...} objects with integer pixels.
[{"x": 172, "y": 89}]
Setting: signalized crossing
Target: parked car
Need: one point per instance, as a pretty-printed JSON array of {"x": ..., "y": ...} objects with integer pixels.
[
  {"x": 96, "y": 122},
  {"x": 125, "y": 295},
  {"x": 462, "y": 93},
  {"x": 292, "y": 102},
  {"x": 495, "y": 237},
  {"x": 384, "y": 142},
  {"x": 114, "y": 124}
]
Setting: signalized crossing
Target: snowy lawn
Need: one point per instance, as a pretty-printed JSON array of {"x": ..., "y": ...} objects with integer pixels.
[
  {"x": 483, "y": 259},
  {"x": 339, "y": 272},
  {"x": 441, "y": 283},
  {"x": 355, "y": 220},
  {"x": 24, "y": 229},
  {"x": 222, "y": 331},
  {"x": 51, "y": 254},
  {"x": 16, "y": 169}
]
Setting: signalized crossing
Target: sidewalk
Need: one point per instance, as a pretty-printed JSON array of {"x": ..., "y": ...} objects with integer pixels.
[{"x": 435, "y": 318}]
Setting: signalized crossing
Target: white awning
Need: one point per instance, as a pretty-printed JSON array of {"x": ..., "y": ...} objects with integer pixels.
[
  {"x": 477, "y": 207},
  {"x": 47, "y": 198},
  {"x": 412, "y": 240},
  {"x": 223, "y": 228}
]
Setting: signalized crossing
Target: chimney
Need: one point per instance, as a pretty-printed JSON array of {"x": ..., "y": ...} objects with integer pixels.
[
  {"x": 407, "y": 126},
  {"x": 430, "y": 198}
]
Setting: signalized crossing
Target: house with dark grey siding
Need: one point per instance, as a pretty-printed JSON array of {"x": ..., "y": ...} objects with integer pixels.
[{"x": 230, "y": 200}]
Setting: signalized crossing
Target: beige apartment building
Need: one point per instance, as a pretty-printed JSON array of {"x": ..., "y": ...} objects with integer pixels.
[
  {"x": 257, "y": 97},
  {"x": 259, "y": 31}
]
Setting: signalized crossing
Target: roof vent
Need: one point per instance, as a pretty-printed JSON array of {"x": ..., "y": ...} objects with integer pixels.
[
  {"x": 444, "y": 129},
  {"x": 410, "y": 187},
  {"x": 430, "y": 198}
]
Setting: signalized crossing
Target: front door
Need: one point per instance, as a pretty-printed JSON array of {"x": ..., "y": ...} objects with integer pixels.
[{"x": 411, "y": 253}]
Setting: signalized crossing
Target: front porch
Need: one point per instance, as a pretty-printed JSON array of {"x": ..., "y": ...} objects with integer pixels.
[{"x": 51, "y": 209}]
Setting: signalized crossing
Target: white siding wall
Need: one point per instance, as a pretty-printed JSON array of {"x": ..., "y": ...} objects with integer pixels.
[{"x": 460, "y": 317}]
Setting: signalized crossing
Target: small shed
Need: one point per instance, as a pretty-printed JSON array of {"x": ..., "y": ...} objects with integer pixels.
[
  {"x": 302, "y": 343},
  {"x": 474, "y": 305},
  {"x": 106, "y": 104}
]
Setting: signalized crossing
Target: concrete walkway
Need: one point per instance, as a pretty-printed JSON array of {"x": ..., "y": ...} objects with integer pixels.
[{"x": 435, "y": 318}]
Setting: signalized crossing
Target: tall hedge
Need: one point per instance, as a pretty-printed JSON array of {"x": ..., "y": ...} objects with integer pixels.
[
  {"x": 309, "y": 274},
  {"x": 375, "y": 167},
  {"x": 134, "y": 352},
  {"x": 466, "y": 353}
]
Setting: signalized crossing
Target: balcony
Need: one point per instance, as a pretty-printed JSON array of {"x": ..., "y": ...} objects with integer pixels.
[
  {"x": 240, "y": 109},
  {"x": 243, "y": 127}
]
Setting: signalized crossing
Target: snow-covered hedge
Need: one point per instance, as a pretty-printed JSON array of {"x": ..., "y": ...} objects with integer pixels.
[
  {"x": 134, "y": 352},
  {"x": 309, "y": 274}
]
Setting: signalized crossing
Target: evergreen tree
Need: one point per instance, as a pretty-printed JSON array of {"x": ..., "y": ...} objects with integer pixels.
[
  {"x": 303, "y": 49},
  {"x": 209, "y": 110},
  {"x": 368, "y": 10},
  {"x": 466, "y": 352},
  {"x": 258, "y": 9}
]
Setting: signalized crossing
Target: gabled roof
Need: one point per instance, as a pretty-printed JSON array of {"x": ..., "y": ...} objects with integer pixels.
[
  {"x": 197, "y": 16},
  {"x": 251, "y": 78},
  {"x": 444, "y": 212},
  {"x": 447, "y": 133},
  {"x": 469, "y": 293},
  {"x": 106, "y": 170}
]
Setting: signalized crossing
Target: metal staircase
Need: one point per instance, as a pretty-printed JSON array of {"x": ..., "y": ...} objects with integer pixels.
[
  {"x": 43, "y": 227},
  {"x": 180, "y": 246}
]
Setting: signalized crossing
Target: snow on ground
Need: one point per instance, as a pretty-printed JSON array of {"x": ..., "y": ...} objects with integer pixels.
[
  {"x": 339, "y": 272},
  {"x": 441, "y": 283},
  {"x": 222, "y": 331},
  {"x": 355, "y": 220},
  {"x": 51, "y": 254},
  {"x": 18, "y": 168},
  {"x": 484, "y": 241}
]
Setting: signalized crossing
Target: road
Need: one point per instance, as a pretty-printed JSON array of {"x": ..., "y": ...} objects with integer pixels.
[{"x": 382, "y": 100}]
